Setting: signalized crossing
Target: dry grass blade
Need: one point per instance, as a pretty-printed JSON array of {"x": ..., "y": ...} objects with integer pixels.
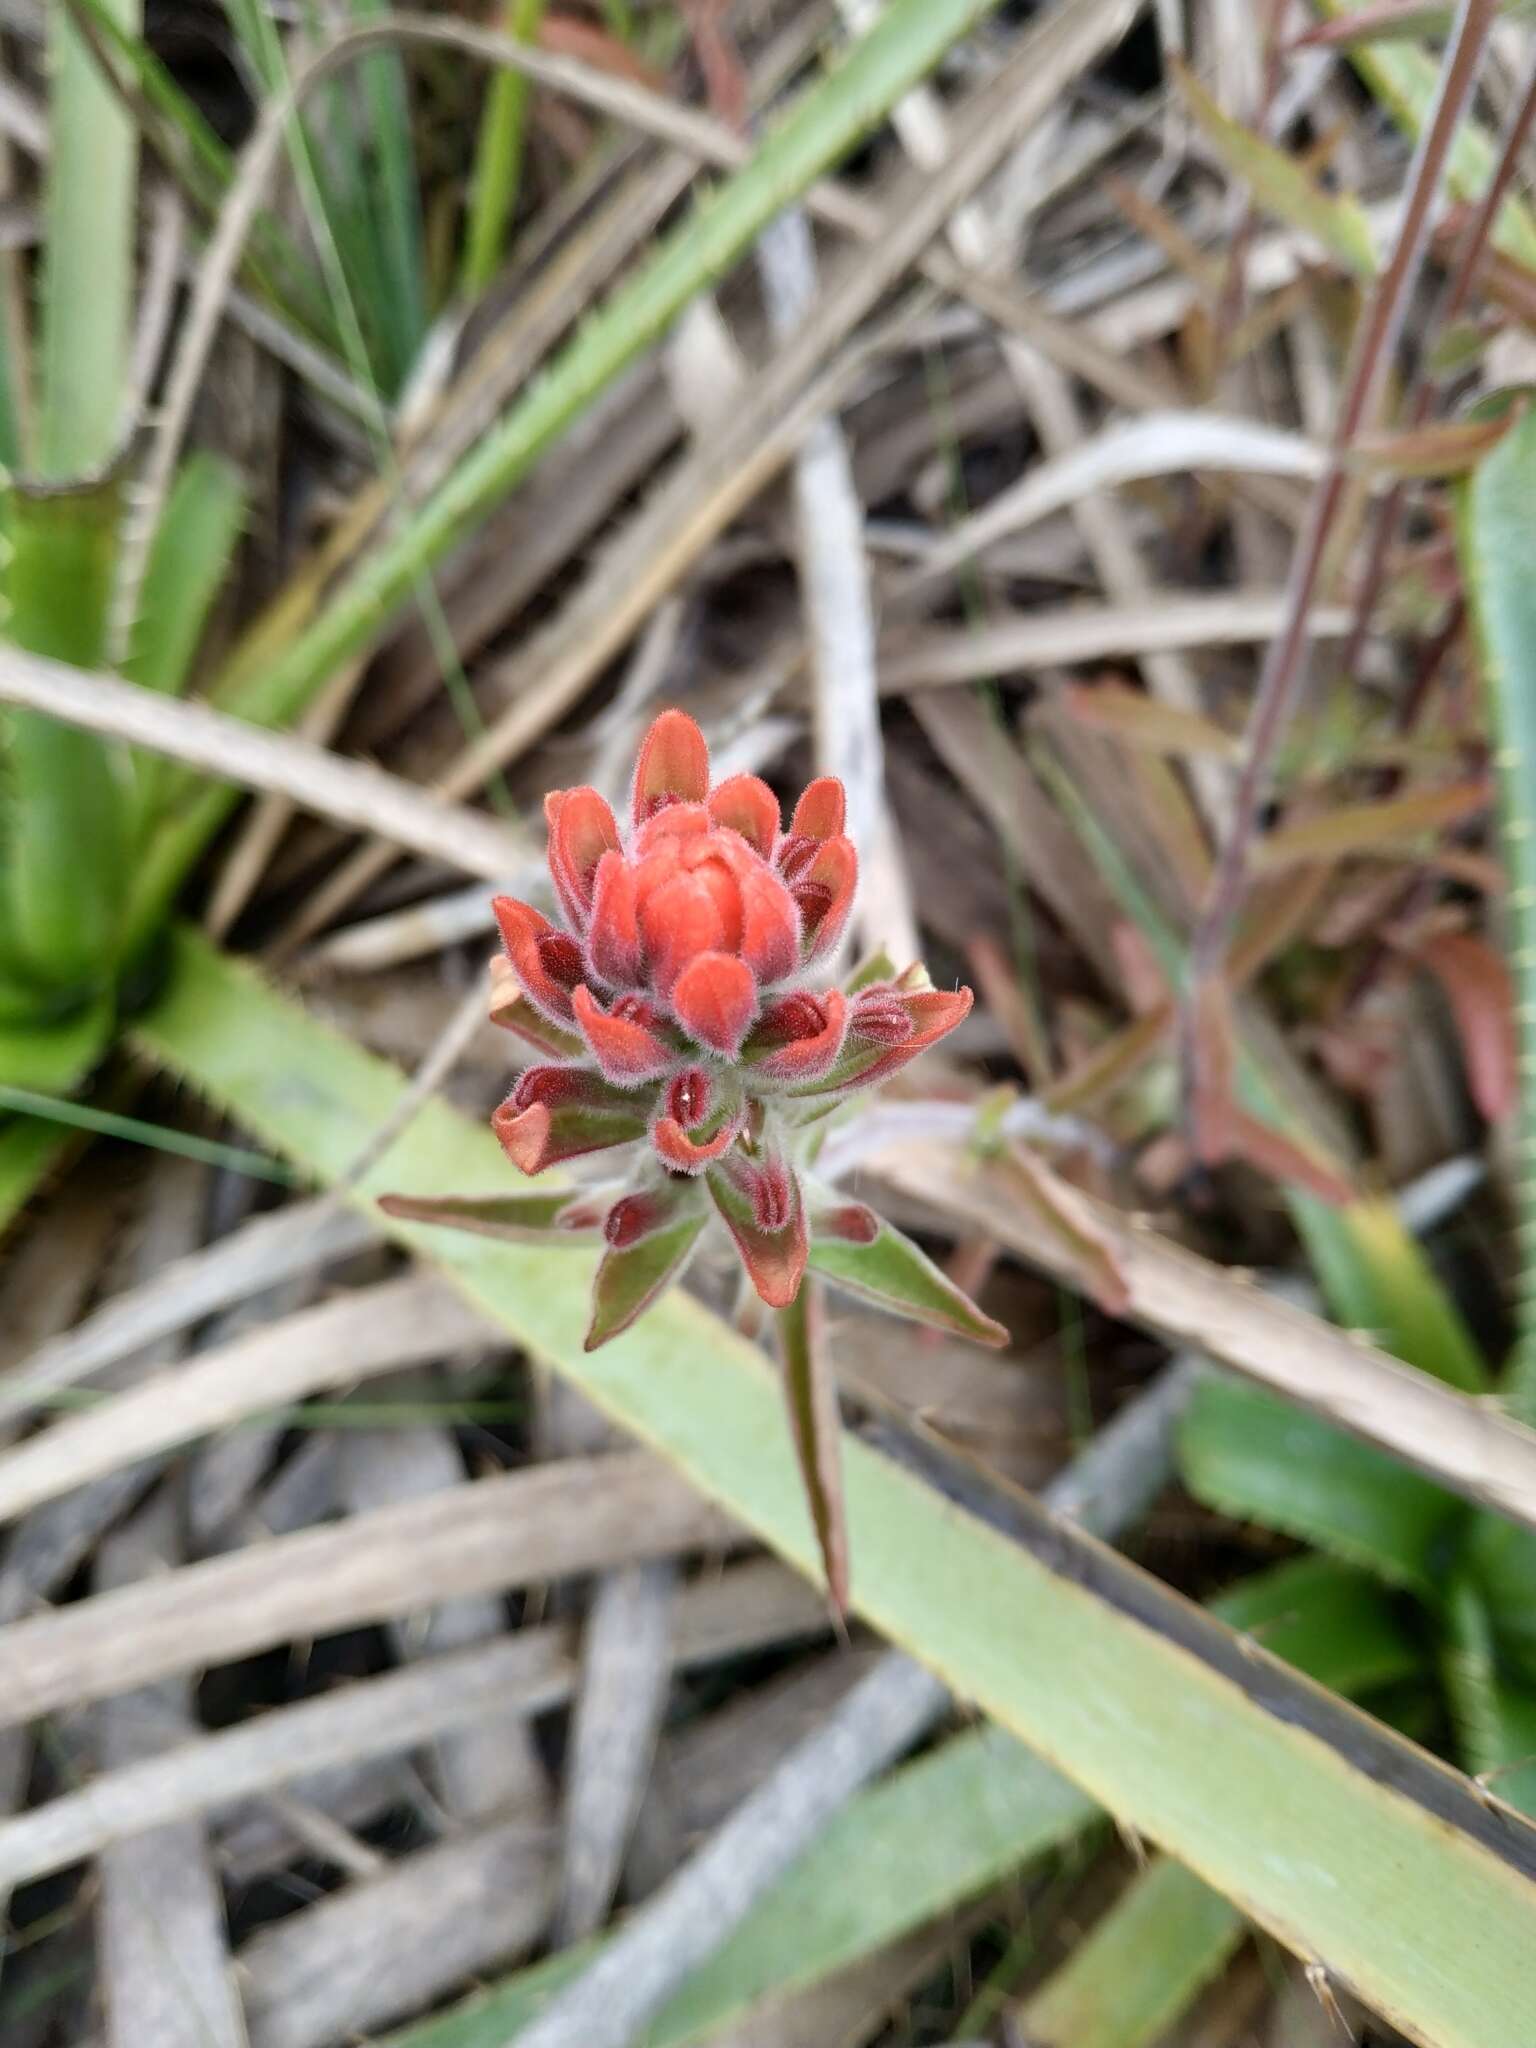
[
  {"x": 1053, "y": 638},
  {"x": 355, "y": 1337},
  {"x": 1466, "y": 1445},
  {"x": 748, "y": 1607},
  {"x": 261, "y": 1254},
  {"x": 716, "y": 481},
  {"x": 495, "y": 1534},
  {"x": 348, "y": 792}
]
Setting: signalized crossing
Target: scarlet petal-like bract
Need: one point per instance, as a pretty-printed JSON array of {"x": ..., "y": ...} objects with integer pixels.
[
  {"x": 673, "y": 765},
  {"x": 746, "y": 804},
  {"x": 581, "y": 831},
  {"x": 822, "y": 810},
  {"x": 932, "y": 1013},
  {"x": 764, "y": 1211},
  {"x": 714, "y": 999},
  {"x": 770, "y": 925},
  {"x": 546, "y": 960},
  {"x": 557, "y": 1113},
  {"x": 613, "y": 933},
  {"x": 824, "y": 890},
  {"x": 624, "y": 1045}
]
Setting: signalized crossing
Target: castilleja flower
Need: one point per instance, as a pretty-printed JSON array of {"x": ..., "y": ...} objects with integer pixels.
[{"x": 681, "y": 1015}]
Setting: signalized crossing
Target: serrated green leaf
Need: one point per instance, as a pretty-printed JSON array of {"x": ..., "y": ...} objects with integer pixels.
[
  {"x": 631, "y": 1277},
  {"x": 1255, "y": 1457},
  {"x": 1495, "y": 1718},
  {"x": 895, "y": 1274},
  {"x": 66, "y": 869},
  {"x": 1279, "y": 183},
  {"x": 1329, "y": 1620}
]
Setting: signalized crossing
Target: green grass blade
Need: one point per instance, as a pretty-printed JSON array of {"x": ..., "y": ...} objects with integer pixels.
[
  {"x": 1495, "y": 1719},
  {"x": 188, "y": 559},
  {"x": 1165, "y": 1938},
  {"x": 1405, "y": 77},
  {"x": 498, "y": 158},
  {"x": 1501, "y": 1561},
  {"x": 387, "y": 166},
  {"x": 931, "y": 1836},
  {"x": 87, "y": 266},
  {"x": 1335, "y": 1624},
  {"x": 817, "y": 131},
  {"x": 65, "y": 871},
  {"x": 1143, "y": 1702},
  {"x": 1497, "y": 537},
  {"x": 1252, "y": 1456}
]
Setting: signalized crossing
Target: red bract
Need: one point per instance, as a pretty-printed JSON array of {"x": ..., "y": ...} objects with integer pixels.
[{"x": 678, "y": 1003}]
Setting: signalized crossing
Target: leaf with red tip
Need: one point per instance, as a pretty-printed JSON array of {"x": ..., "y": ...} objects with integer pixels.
[
  {"x": 512, "y": 1011},
  {"x": 888, "y": 1026},
  {"x": 817, "y": 1427},
  {"x": 672, "y": 765},
  {"x": 613, "y": 929},
  {"x": 892, "y": 1272},
  {"x": 822, "y": 811},
  {"x": 582, "y": 829},
  {"x": 715, "y": 1000},
  {"x": 824, "y": 891},
  {"x": 546, "y": 960},
  {"x": 651, "y": 1237},
  {"x": 1481, "y": 993},
  {"x": 518, "y": 1219},
  {"x": 700, "y": 1117},
  {"x": 798, "y": 1038},
  {"x": 764, "y": 1210},
  {"x": 747, "y": 805},
  {"x": 557, "y": 1113},
  {"x": 622, "y": 1040}
]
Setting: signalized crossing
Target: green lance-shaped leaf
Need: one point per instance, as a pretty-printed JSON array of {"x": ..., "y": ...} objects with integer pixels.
[
  {"x": 516, "y": 1219},
  {"x": 66, "y": 865},
  {"x": 1280, "y": 184},
  {"x": 817, "y": 1428},
  {"x": 864, "y": 1255},
  {"x": 53, "y": 1056},
  {"x": 1495, "y": 1716},
  {"x": 187, "y": 562},
  {"x": 651, "y": 1237},
  {"x": 1329, "y": 1620},
  {"x": 1497, "y": 539},
  {"x": 1249, "y": 1454}
]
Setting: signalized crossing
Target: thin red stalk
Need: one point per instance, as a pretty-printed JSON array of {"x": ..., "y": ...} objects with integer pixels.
[
  {"x": 1426, "y": 389},
  {"x": 1375, "y": 344}
]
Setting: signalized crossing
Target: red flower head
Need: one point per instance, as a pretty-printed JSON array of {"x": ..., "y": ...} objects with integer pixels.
[{"x": 679, "y": 1003}]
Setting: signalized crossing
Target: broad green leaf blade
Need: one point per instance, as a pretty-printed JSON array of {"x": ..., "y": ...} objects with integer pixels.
[
  {"x": 88, "y": 248},
  {"x": 515, "y": 1219},
  {"x": 631, "y": 1277},
  {"x": 1279, "y": 183},
  {"x": 65, "y": 871},
  {"x": 1497, "y": 537},
  {"x": 1328, "y": 1620},
  {"x": 1376, "y": 1278},
  {"x": 187, "y": 562},
  {"x": 30, "y": 1149},
  {"x": 54, "y": 1058},
  {"x": 1146, "y": 1704},
  {"x": 1165, "y": 1938},
  {"x": 828, "y": 120},
  {"x": 895, "y": 1274},
  {"x": 1251, "y": 1455},
  {"x": 818, "y": 1429},
  {"x": 931, "y": 1836}
]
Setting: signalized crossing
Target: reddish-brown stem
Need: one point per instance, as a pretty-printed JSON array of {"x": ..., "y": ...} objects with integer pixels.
[
  {"x": 1426, "y": 388},
  {"x": 1374, "y": 346}
]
